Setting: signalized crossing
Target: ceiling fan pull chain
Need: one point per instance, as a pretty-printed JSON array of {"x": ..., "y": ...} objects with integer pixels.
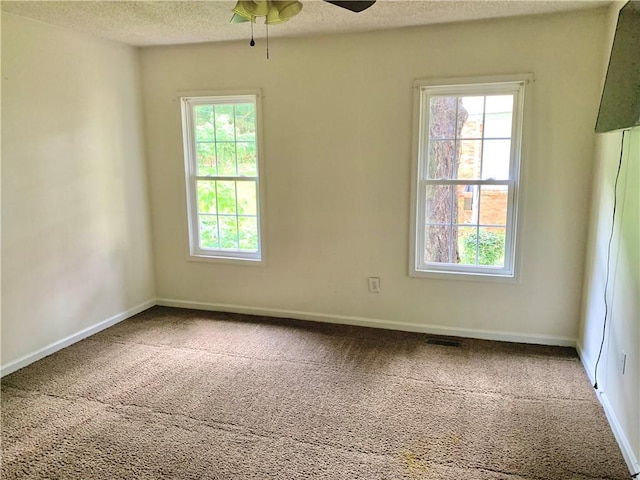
[
  {"x": 252, "y": 42},
  {"x": 267, "y": 25}
]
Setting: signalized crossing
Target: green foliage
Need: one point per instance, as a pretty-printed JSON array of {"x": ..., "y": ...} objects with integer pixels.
[
  {"x": 226, "y": 197},
  {"x": 490, "y": 248},
  {"x": 207, "y": 196},
  {"x": 228, "y": 215},
  {"x": 206, "y": 152},
  {"x": 224, "y": 123},
  {"x": 245, "y": 119},
  {"x": 208, "y": 231},
  {"x": 228, "y": 232},
  {"x": 204, "y": 123},
  {"x": 226, "y": 140},
  {"x": 246, "y": 152},
  {"x": 248, "y": 231},
  {"x": 246, "y": 194},
  {"x": 226, "y": 158}
]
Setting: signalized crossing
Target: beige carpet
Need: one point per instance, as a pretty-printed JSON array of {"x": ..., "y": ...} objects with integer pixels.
[{"x": 194, "y": 395}]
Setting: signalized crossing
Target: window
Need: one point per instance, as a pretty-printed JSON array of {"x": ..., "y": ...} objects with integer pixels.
[
  {"x": 465, "y": 180},
  {"x": 223, "y": 180}
]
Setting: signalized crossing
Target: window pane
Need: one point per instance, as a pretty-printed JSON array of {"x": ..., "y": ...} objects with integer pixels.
[
  {"x": 208, "y": 231},
  {"x": 469, "y": 157},
  {"x": 228, "y": 232},
  {"x": 498, "y": 116},
  {"x": 204, "y": 123},
  {"x": 206, "y": 152},
  {"x": 496, "y": 159},
  {"x": 491, "y": 246},
  {"x": 245, "y": 120},
  {"x": 497, "y": 125},
  {"x": 499, "y": 104},
  {"x": 467, "y": 246},
  {"x": 248, "y": 230},
  {"x": 467, "y": 204},
  {"x": 226, "y": 159},
  {"x": 438, "y": 206},
  {"x": 247, "y": 159},
  {"x": 225, "y": 130},
  {"x": 226, "y": 197},
  {"x": 442, "y": 117},
  {"x": 493, "y": 204},
  {"x": 441, "y": 159},
  {"x": 246, "y": 192},
  {"x": 471, "y": 113},
  {"x": 437, "y": 244},
  {"x": 206, "y": 196}
]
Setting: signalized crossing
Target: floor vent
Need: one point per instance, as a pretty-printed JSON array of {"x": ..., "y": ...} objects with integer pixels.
[{"x": 444, "y": 342}]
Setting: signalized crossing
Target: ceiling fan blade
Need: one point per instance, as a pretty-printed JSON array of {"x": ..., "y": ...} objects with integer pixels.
[{"x": 354, "y": 5}]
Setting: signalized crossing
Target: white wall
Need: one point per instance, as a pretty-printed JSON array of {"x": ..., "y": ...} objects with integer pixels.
[
  {"x": 620, "y": 393},
  {"x": 337, "y": 134},
  {"x": 76, "y": 246}
]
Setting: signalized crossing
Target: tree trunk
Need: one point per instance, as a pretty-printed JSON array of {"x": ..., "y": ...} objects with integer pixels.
[{"x": 444, "y": 156}]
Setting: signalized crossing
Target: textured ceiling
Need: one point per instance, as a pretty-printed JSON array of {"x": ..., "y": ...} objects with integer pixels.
[{"x": 145, "y": 23}]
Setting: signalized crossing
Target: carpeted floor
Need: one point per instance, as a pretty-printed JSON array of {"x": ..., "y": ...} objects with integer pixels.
[{"x": 195, "y": 395}]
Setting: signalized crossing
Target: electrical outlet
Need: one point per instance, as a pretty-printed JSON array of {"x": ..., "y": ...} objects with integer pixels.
[
  {"x": 374, "y": 284},
  {"x": 622, "y": 362}
]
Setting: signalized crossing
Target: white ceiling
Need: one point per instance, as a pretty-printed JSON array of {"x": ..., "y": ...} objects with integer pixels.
[{"x": 144, "y": 23}]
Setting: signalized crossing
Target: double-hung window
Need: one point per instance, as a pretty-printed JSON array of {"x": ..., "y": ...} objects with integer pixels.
[
  {"x": 465, "y": 178},
  {"x": 222, "y": 165}
]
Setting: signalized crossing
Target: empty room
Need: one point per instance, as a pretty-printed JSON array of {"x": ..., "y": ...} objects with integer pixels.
[{"x": 320, "y": 240}]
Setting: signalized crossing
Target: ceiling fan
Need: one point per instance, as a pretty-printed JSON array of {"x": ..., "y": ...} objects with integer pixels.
[
  {"x": 281, "y": 11},
  {"x": 354, "y": 6}
]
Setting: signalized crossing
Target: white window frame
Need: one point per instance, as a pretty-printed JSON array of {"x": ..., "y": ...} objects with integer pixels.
[
  {"x": 423, "y": 91},
  {"x": 190, "y": 162}
]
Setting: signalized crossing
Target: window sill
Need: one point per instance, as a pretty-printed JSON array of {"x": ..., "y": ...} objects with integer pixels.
[
  {"x": 466, "y": 276},
  {"x": 240, "y": 261}
]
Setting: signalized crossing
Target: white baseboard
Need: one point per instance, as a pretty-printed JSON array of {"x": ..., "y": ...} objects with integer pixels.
[
  {"x": 618, "y": 432},
  {"x": 373, "y": 322},
  {"x": 71, "y": 339}
]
